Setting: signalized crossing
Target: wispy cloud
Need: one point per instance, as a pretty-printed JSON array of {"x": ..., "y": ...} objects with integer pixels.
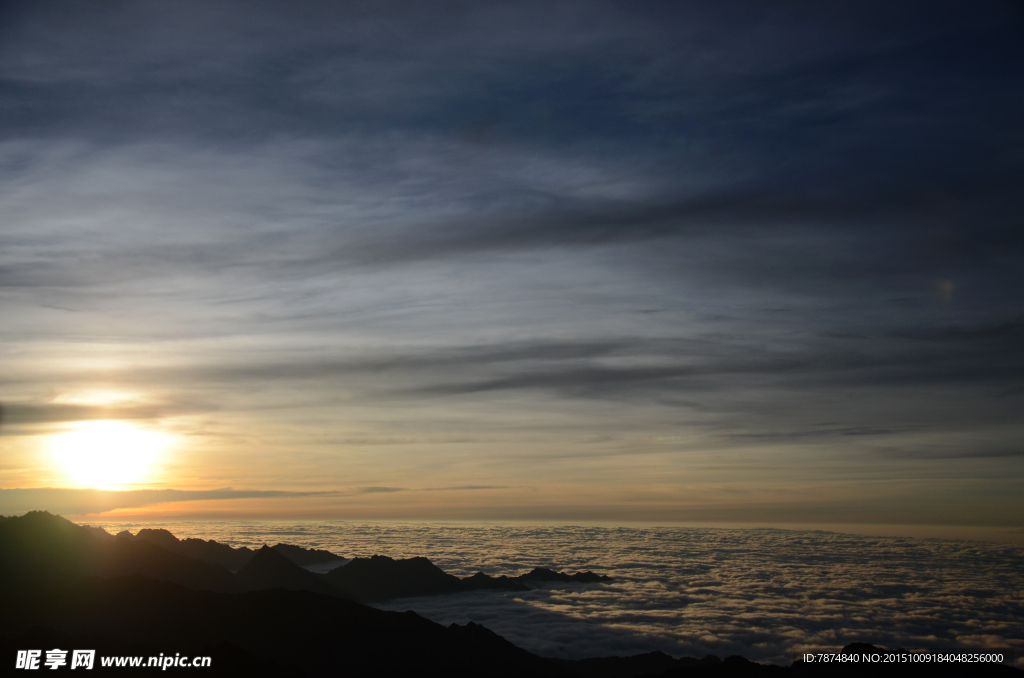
[
  {"x": 69, "y": 501},
  {"x": 465, "y": 487}
]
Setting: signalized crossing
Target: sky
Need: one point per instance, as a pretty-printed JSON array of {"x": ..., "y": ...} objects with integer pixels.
[{"x": 677, "y": 262}]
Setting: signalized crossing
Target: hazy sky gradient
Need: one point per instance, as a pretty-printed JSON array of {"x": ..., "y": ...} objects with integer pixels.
[{"x": 606, "y": 261}]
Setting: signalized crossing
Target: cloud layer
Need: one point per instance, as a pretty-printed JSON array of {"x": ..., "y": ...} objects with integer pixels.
[{"x": 769, "y": 595}]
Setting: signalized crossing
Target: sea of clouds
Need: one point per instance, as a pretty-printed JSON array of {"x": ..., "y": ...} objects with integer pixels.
[{"x": 764, "y": 593}]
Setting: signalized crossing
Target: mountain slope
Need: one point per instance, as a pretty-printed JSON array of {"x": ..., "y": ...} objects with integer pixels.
[
  {"x": 380, "y": 578},
  {"x": 268, "y": 569}
]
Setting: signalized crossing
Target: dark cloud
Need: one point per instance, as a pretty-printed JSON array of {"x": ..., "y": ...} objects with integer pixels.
[
  {"x": 29, "y": 414},
  {"x": 69, "y": 501},
  {"x": 465, "y": 487}
]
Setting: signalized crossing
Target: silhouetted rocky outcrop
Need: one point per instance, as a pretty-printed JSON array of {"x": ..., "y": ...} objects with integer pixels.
[
  {"x": 481, "y": 581},
  {"x": 50, "y": 548},
  {"x": 210, "y": 551},
  {"x": 98, "y": 532},
  {"x": 232, "y": 558},
  {"x": 381, "y": 578},
  {"x": 543, "y": 574},
  {"x": 161, "y": 537},
  {"x": 124, "y": 557},
  {"x": 207, "y": 551},
  {"x": 301, "y": 556},
  {"x": 268, "y": 569}
]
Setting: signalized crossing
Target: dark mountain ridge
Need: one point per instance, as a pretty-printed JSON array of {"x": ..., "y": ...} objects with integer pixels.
[
  {"x": 211, "y": 566},
  {"x": 232, "y": 558},
  {"x": 304, "y": 557},
  {"x": 380, "y": 578},
  {"x": 268, "y": 569},
  {"x": 543, "y": 574}
]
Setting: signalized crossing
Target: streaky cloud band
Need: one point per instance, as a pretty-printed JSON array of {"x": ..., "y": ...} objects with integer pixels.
[{"x": 85, "y": 501}]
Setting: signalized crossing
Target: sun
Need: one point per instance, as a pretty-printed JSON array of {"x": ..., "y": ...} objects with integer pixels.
[{"x": 107, "y": 454}]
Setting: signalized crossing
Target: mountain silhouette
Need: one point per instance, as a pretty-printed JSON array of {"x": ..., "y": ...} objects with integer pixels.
[
  {"x": 161, "y": 537},
  {"x": 543, "y": 574},
  {"x": 481, "y": 581},
  {"x": 301, "y": 556},
  {"x": 380, "y": 578},
  {"x": 52, "y": 547},
  {"x": 232, "y": 558},
  {"x": 268, "y": 569},
  {"x": 39, "y": 548},
  {"x": 124, "y": 557}
]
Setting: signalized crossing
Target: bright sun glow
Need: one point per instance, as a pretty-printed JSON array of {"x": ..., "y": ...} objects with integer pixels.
[{"x": 107, "y": 454}]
